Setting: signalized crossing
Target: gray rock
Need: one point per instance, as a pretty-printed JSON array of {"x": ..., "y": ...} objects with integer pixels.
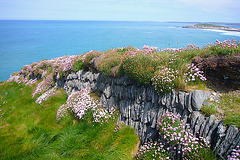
[
  {"x": 188, "y": 103},
  {"x": 198, "y": 97},
  {"x": 225, "y": 144},
  {"x": 219, "y": 135},
  {"x": 103, "y": 101},
  {"x": 212, "y": 132},
  {"x": 235, "y": 143},
  {"x": 198, "y": 124},
  {"x": 184, "y": 116},
  {"x": 181, "y": 97},
  {"x": 107, "y": 91},
  {"x": 112, "y": 102},
  {"x": 193, "y": 119},
  {"x": 209, "y": 122},
  {"x": 71, "y": 76}
]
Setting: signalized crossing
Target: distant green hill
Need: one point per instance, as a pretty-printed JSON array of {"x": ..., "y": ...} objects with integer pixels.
[{"x": 207, "y": 25}]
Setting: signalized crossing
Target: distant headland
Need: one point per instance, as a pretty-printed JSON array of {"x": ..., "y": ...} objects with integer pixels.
[{"x": 212, "y": 27}]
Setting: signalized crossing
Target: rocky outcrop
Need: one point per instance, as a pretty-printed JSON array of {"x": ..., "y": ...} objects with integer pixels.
[
  {"x": 141, "y": 106},
  {"x": 221, "y": 70},
  {"x": 212, "y": 27}
]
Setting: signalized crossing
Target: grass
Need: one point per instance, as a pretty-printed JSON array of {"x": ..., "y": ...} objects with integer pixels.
[
  {"x": 208, "y": 110},
  {"x": 230, "y": 103},
  {"x": 30, "y": 131},
  {"x": 226, "y": 108}
]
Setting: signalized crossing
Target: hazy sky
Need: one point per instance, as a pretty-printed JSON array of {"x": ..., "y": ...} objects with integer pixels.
[{"x": 122, "y": 10}]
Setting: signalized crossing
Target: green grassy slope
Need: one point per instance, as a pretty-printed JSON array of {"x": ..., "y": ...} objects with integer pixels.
[{"x": 30, "y": 131}]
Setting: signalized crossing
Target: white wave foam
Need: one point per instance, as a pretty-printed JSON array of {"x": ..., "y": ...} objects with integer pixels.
[
  {"x": 232, "y": 34},
  {"x": 227, "y": 33}
]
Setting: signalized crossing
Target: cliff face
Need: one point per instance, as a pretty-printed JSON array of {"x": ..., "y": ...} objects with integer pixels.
[
  {"x": 140, "y": 107},
  {"x": 221, "y": 70}
]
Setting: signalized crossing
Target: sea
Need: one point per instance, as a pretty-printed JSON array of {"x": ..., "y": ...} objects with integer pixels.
[{"x": 25, "y": 42}]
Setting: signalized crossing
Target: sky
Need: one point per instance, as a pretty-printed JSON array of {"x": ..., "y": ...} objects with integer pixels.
[{"x": 122, "y": 10}]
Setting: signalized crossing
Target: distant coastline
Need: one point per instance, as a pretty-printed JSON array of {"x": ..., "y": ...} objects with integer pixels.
[{"x": 212, "y": 27}]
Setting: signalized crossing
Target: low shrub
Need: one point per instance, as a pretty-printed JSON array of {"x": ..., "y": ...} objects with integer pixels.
[
  {"x": 139, "y": 66},
  {"x": 163, "y": 80},
  {"x": 110, "y": 60},
  {"x": 122, "y": 51},
  {"x": 88, "y": 57},
  {"x": 77, "y": 64},
  {"x": 40, "y": 67}
]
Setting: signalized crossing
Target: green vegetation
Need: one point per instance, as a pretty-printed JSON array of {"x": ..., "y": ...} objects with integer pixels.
[
  {"x": 225, "y": 107},
  {"x": 208, "y": 110},
  {"x": 208, "y": 25},
  {"x": 77, "y": 65},
  {"x": 230, "y": 103},
  {"x": 109, "y": 61},
  {"x": 166, "y": 70},
  {"x": 30, "y": 131},
  {"x": 140, "y": 66},
  {"x": 89, "y": 56}
]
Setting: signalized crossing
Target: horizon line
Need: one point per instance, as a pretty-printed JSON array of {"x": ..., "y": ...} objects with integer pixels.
[{"x": 117, "y": 21}]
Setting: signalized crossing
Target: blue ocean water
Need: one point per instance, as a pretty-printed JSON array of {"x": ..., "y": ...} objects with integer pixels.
[{"x": 24, "y": 42}]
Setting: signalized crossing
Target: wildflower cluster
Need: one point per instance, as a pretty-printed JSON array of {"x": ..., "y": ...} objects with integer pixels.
[
  {"x": 225, "y": 47},
  {"x": 173, "y": 50},
  {"x": 46, "y": 95},
  {"x": 163, "y": 79},
  {"x": 227, "y": 44},
  {"x": 194, "y": 73},
  {"x": 37, "y": 69},
  {"x": 176, "y": 143},
  {"x": 153, "y": 150},
  {"x": 235, "y": 154},
  {"x": 31, "y": 82},
  {"x": 173, "y": 58},
  {"x": 62, "y": 112},
  {"x": 46, "y": 70},
  {"x": 18, "y": 79},
  {"x": 64, "y": 65},
  {"x": 80, "y": 102},
  {"x": 192, "y": 47},
  {"x": 147, "y": 49},
  {"x": 47, "y": 83},
  {"x": 171, "y": 128},
  {"x": 61, "y": 65}
]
